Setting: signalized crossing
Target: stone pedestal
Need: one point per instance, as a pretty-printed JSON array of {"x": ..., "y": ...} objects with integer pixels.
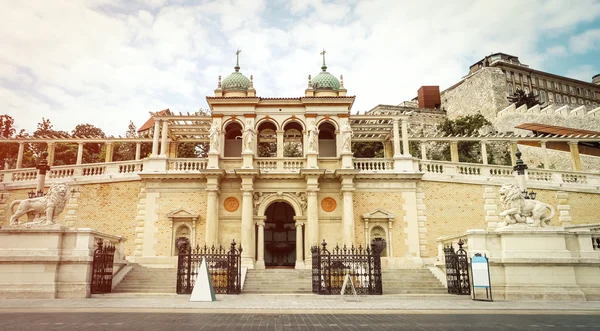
[
  {"x": 247, "y": 159},
  {"x": 213, "y": 160},
  {"x": 347, "y": 160},
  {"x": 405, "y": 164},
  {"x": 311, "y": 160},
  {"x": 49, "y": 262},
  {"x": 155, "y": 164},
  {"x": 548, "y": 263}
]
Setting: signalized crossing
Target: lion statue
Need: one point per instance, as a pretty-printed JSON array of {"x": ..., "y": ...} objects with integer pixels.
[
  {"x": 41, "y": 210},
  {"x": 517, "y": 209}
]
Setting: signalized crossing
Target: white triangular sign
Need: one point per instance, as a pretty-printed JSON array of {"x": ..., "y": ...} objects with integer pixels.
[{"x": 203, "y": 288}]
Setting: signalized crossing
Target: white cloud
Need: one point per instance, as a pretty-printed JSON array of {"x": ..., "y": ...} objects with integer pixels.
[
  {"x": 584, "y": 72},
  {"x": 106, "y": 62},
  {"x": 586, "y": 41}
]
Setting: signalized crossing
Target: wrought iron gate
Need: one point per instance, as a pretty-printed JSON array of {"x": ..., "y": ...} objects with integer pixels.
[
  {"x": 330, "y": 268},
  {"x": 457, "y": 269},
  {"x": 102, "y": 267},
  {"x": 223, "y": 265}
]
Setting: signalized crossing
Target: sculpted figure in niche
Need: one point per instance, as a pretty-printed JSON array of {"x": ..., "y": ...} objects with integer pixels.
[
  {"x": 41, "y": 210},
  {"x": 214, "y": 134},
  {"x": 347, "y": 138},
  {"x": 517, "y": 209},
  {"x": 248, "y": 137},
  {"x": 313, "y": 138}
]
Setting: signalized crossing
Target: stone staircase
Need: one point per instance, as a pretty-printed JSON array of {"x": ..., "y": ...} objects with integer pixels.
[
  {"x": 277, "y": 281},
  {"x": 411, "y": 281},
  {"x": 148, "y": 280}
]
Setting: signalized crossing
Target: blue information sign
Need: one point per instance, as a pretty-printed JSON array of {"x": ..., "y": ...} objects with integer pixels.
[{"x": 480, "y": 276}]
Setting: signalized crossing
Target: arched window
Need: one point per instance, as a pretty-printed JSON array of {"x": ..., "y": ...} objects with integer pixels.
[
  {"x": 267, "y": 140},
  {"x": 327, "y": 141},
  {"x": 292, "y": 140},
  {"x": 233, "y": 140}
]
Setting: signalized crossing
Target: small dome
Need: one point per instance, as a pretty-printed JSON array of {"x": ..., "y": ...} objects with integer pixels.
[
  {"x": 325, "y": 80},
  {"x": 236, "y": 81}
]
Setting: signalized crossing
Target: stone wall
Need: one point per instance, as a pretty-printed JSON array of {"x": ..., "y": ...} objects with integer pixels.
[
  {"x": 192, "y": 202},
  {"x": 482, "y": 92}
]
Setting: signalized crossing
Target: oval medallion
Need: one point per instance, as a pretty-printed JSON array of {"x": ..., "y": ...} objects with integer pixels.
[
  {"x": 231, "y": 204},
  {"x": 328, "y": 204}
]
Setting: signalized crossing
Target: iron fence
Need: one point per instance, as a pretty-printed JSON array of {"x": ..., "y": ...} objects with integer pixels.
[
  {"x": 223, "y": 265},
  {"x": 102, "y": 267},
  {"x": 329, "y": 269},
  {"x": 457, "y": 269}
]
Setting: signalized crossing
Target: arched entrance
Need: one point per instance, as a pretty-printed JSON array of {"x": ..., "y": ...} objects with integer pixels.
[{"x": 280, "y": 235}]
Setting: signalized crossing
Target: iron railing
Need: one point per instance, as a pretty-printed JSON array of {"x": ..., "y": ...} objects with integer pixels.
[
  {"x": 329, "y": 269},
  {"x": 223, "y": 265},
  {"x": 457, "y": 269},
  {"x": 102, "y": 267}
]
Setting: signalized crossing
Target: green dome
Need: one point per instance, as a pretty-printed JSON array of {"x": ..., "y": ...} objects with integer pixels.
[
  {"x": 236, "y": 81},
  {"x": 325, "y": 80}
]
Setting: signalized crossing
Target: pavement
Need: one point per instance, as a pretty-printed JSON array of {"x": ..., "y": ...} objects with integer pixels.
[{"x": 300, "y": 303}]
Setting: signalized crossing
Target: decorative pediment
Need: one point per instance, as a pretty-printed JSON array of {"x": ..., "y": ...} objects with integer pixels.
[
  {"x": 182, "y": 215},
  {"x": 379, "y": 215}
]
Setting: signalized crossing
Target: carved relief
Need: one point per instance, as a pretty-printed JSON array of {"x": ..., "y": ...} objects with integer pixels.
[
  {"x": 231, "y": 204},
  {"x": 328, "y": 204}
]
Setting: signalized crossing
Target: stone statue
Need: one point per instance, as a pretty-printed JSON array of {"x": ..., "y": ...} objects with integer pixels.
[
  {"x": 313, "y": 138},
  {"x": 248, "y": 137},
  {"x": 41, "y": 210},
  {"x": 517, "y": 209},
  {"x": 214, "y": 134},
  {"x": 347, "y": 138},
  {"x": 258, "y": 198}
]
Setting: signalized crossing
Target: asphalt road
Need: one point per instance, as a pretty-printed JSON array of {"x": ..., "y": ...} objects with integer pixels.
[{"x": 264, "y": 321}]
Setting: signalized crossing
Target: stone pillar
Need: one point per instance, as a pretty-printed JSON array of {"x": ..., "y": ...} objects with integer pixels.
[
  {"x": 247, "y": 228},
  {"x": 405, "y": 148},
  {"x": 312, "y": 216},
  {"x": 545, "y": 155},
  {"x": 20, "y": 156},
  {"x": 396, "y": 135},
  {"x": 299, "y": 248},
  {"x": 280, "y": 143},
  {"x": 155, "y": 138},
  {"x": 348, "y": 219},
  {"x": 490, "y": 208},
  {"x": 454, "y": 151},
  {"x": 109, "y": 151},
  {"x": 575, "y": 159},
  {"x": 388, "y": 149},
  {"x": 563, "y": 208},
  {"x": 80, "y": 153},
  {"x": 260, "y": 240},
  {"x": 163, "y": 142},
  {"x": 138, "y": 151},
  {"x": 484, "y": 158},
  {"x": 212, "y": 210},
  {"x": 424, "y": 150},
  {"x": 51, "y": 149},
  {"x": 411, "y": 226},
  {"x": 513, "y": 150}
]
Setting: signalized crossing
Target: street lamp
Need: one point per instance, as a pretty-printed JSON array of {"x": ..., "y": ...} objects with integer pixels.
[
  {"x": 43, "y": 167},
  {"x": 520, "y": 168}
]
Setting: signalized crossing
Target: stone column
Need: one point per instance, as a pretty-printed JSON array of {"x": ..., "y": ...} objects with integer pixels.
[
  {"x": 484, "y": 158},
  {"x": 247, "y": 228},
  {"x": 80, "y": 153},
  {"x": 163, "y": 143},
  {"x": 109, "y": 151},
  {"x": 212, "y": 211},
  {"x": 51, "y": 149},
  {"x": 405, "y": 148},
  {"x": 299, "y": 248},
  {"x": 454, "y": 151},
  {"x": 396, "y": 135},
  {"x": 138, "y": 150},
  {"x": 260, "y": 241},
  {"x": 424, "y": 150},
  {"x": 155, "y": 138},
  {"x": 20, "y": 155},
  {"x": 280, "y": 143},
  {"x": 513, "y": 150},
  {"x": 545, "y": 155},
  {"x": 575, "y": 159},
  {"x": 348, "y": 218},
  {"x": 312, "y": 216}
]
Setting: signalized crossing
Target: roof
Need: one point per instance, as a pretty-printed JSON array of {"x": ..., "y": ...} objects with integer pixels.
[
  {"x": 150, "y": 122},
  {"x": 556, "y": 130}
]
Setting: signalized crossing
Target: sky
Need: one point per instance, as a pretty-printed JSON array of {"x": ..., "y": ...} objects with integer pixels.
[{"x": 106, "y": 62}]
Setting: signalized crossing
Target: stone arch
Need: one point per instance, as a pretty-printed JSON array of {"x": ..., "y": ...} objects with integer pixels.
[
  {"x": 291, "y": 198},
  {"x": 270, "y": 119},
  {"x": 232, "y": 136},
  {"x": 291, "y": 120},
  {"x": 330, "y": 121}
]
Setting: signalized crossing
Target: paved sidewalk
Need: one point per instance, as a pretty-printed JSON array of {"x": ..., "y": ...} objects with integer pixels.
[{"x": 310, "y": 303}]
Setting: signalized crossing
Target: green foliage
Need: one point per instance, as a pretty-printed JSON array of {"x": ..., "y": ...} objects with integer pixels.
[
  {"x": 368, "y": 149},
  {"x": 292, "y": 149},
  {"x": 468, "y": 151},
  {"x": 8, "y": 152},
  {"x": 192, "y": 150},
  {"x": 521, "y": 98}
]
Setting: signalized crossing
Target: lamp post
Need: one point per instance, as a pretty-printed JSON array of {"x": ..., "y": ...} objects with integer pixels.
[
  {"x": 520, "y": 168},
  {"x": 42, "y": 167}
]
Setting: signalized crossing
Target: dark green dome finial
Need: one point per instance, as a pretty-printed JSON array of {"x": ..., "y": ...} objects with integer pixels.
[
  {"x": 236, "y": 81},
  {"x": 325, "y": 80}
]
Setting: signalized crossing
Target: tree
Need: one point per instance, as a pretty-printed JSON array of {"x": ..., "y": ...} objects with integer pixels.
[
  {"x": 522, "y": 98},
  {"x": 468, "y": 151},
  {"x": 91, "y": 151},
  {"x": 8, "y": 152},
  {"x": 367, "y": 149}
]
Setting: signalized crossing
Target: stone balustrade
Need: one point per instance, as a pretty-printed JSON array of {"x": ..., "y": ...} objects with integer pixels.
[
  {"x": 375, "y": 165},
  {"x": 187, "y": 165},
  {"x": 288, "y": 164}
]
